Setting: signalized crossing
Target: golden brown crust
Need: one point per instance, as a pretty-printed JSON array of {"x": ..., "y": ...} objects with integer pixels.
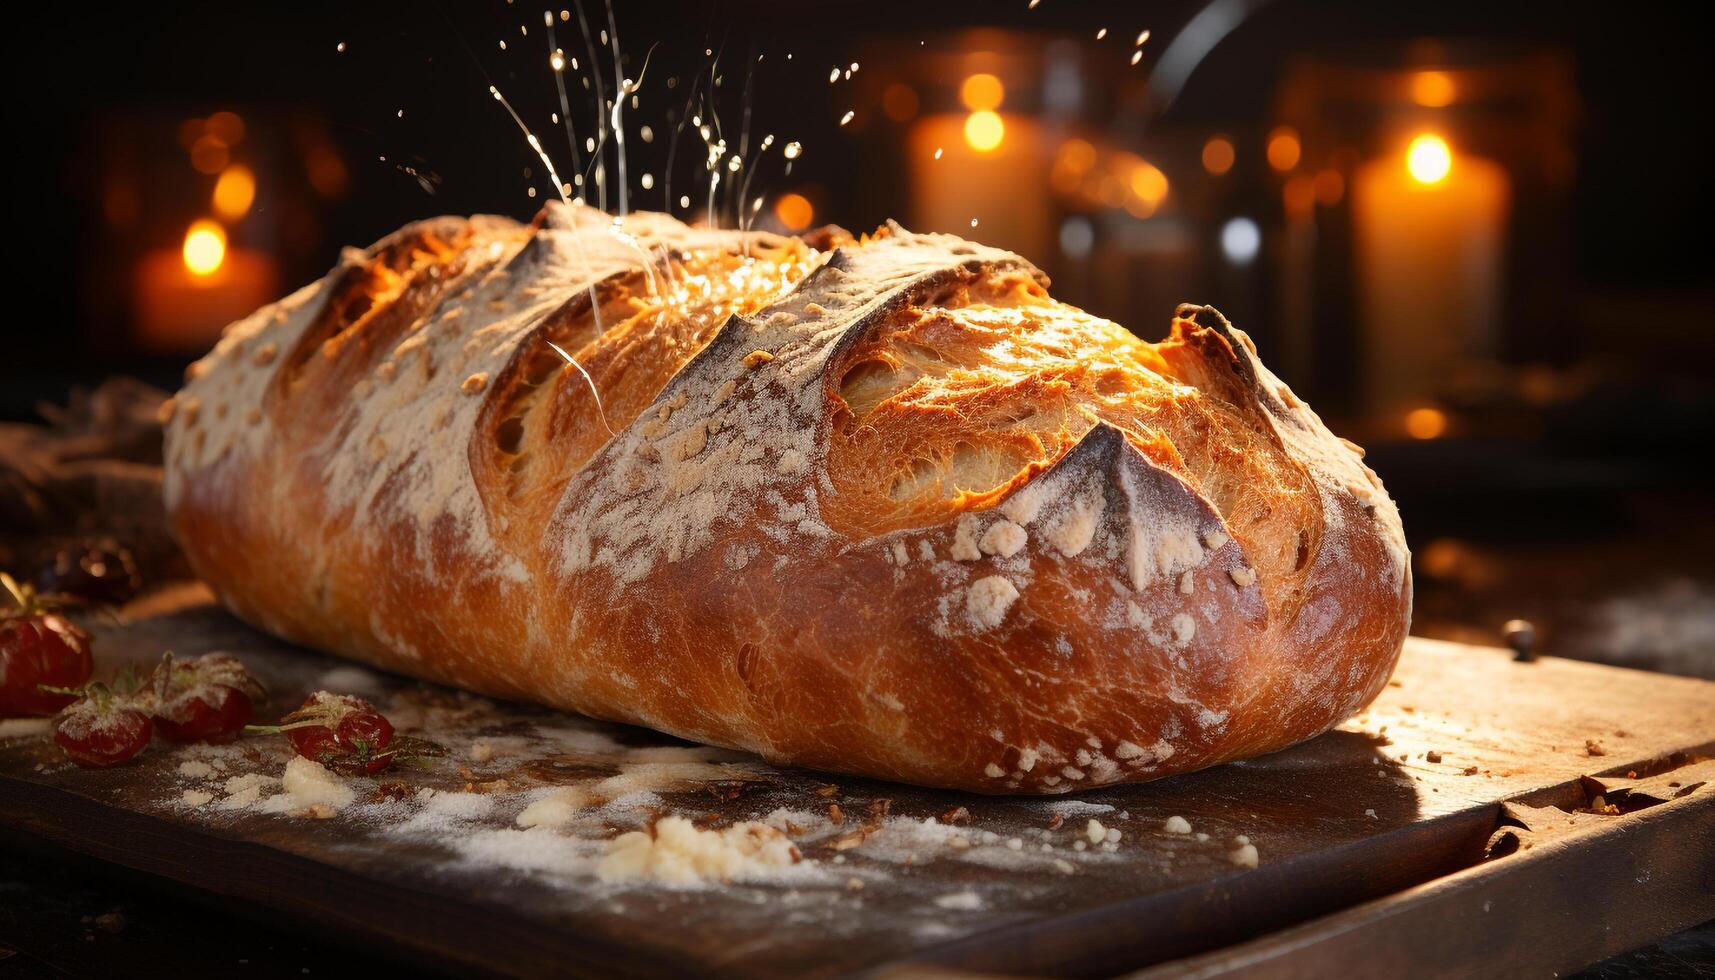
[{"x": 888, "y": 509}]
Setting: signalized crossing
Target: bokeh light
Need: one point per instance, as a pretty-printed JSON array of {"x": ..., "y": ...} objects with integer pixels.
[
  {"x": 794, "y": 211},
  {"x": 234, "y": 192},
  {"x": 1284, "y": 148},
  {"x": 982, "y": 91},
  {"x": 1433, "y": 89},
  {"x": 1429, "y": 159},
  {"x": 984, "y": 130},
  {"x": 205, "y": 247},
  {"x": 1425, "y": 423},
  {"x": 1241, "y": 239},
  {"x": 1218, "y": 155}
]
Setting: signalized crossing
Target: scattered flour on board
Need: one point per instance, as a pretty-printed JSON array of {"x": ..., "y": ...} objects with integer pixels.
[{"x": 679, "y": 854}]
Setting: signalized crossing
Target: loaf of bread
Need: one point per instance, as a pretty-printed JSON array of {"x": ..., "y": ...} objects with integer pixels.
[{"x": 879, "y": 506}]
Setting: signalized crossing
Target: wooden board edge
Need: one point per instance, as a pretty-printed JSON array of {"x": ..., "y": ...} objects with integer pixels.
[
  {"x": 476, "y": 939},
  {"x": 1215, "y": 914},
  {"x": 1556, "y": 908}
]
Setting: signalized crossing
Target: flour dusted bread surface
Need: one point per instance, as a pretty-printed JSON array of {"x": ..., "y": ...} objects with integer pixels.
[{"x": 880, "y": 506}]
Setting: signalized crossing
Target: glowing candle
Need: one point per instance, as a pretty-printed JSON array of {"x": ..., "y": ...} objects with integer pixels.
[
  {"x": 1430, "y": 229},
  {"x": 977, "y": 164},
  {"x": 184, "y": 296}
]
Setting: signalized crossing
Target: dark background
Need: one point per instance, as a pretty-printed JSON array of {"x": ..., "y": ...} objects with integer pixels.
[
  {"x": 1585, "y": 505},
  {"x": 1569, "y": 484}
]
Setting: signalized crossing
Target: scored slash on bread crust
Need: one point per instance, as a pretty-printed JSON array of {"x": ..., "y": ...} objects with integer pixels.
[{"x": 879, "y": 506}]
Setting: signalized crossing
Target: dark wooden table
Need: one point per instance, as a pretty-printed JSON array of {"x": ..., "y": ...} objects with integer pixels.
[{"x": 1437, "y": 832}]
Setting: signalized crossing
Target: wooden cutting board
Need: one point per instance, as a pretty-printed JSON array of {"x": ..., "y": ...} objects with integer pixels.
[{"x": 1364, "y": 823}]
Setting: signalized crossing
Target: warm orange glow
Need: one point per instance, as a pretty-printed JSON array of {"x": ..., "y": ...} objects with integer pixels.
[
  {"x": 1110, "y": 190},
  {"x": 234, "y": 192},
  {"x": 984, "y": 130},
  {"x": 1429, "y": 159},
  {"x": 982, "y": 91},
  {"x": 1432, "y": 88},
  {"x": 1284, "y": 149},
  {"x": 899, "y": 101},
  {"x": 1299, "y": 194},
  {"x": 226, "y": 127},
  {"x": 210, "y": 155},
  {"x": 189, "y": 131},
  {"x": 1077, "y": 155},
  {"x": 205, "y": 247},
  {"x": 1218, "y": 155},
  {"x": 1441, "y": 558},
  {"x": 1425, "y": 423},
  {"x": 1149, "y": 184},
  {"x": 1330, "y": 187},
  {"x": 794, "y": 211},
  {"x": 326, "y": 170}
]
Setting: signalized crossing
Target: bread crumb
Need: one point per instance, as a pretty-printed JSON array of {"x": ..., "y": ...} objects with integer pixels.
[
  {"x": 196, "y": 769},
  {"x": 555, "y": 809},
  {"x": 677, "y": 853},
  {"x": 195, "y": 797},
  {"x": 246, "y": 789},
  {"x": 756, "y": 358},
  {"x": 989, "y": 599},
  {"x": 993, "y": 771},
  {"x": 965, "y": 901},
  {"x": 1186, "y": 584},
  {"x": 1245, "y": 856},
  {"x": 1215, "y": 539},
  {"x": 309, "y": 782},
  {"x": 474, "y": 383},
  {"x": 1024, "y": 504},
  {"x": 481, "y": 752},
  {"x": 1076, "y": 527},
  {"x": 965, "y": 540},
  {"x": 1591, "y": 748},
  {"x": 1176, "y": 825},
  {"x": 1003, "y": 538},
  {"x": 1242, "y": 577},
  {"x": 1095, "y": 831}
]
